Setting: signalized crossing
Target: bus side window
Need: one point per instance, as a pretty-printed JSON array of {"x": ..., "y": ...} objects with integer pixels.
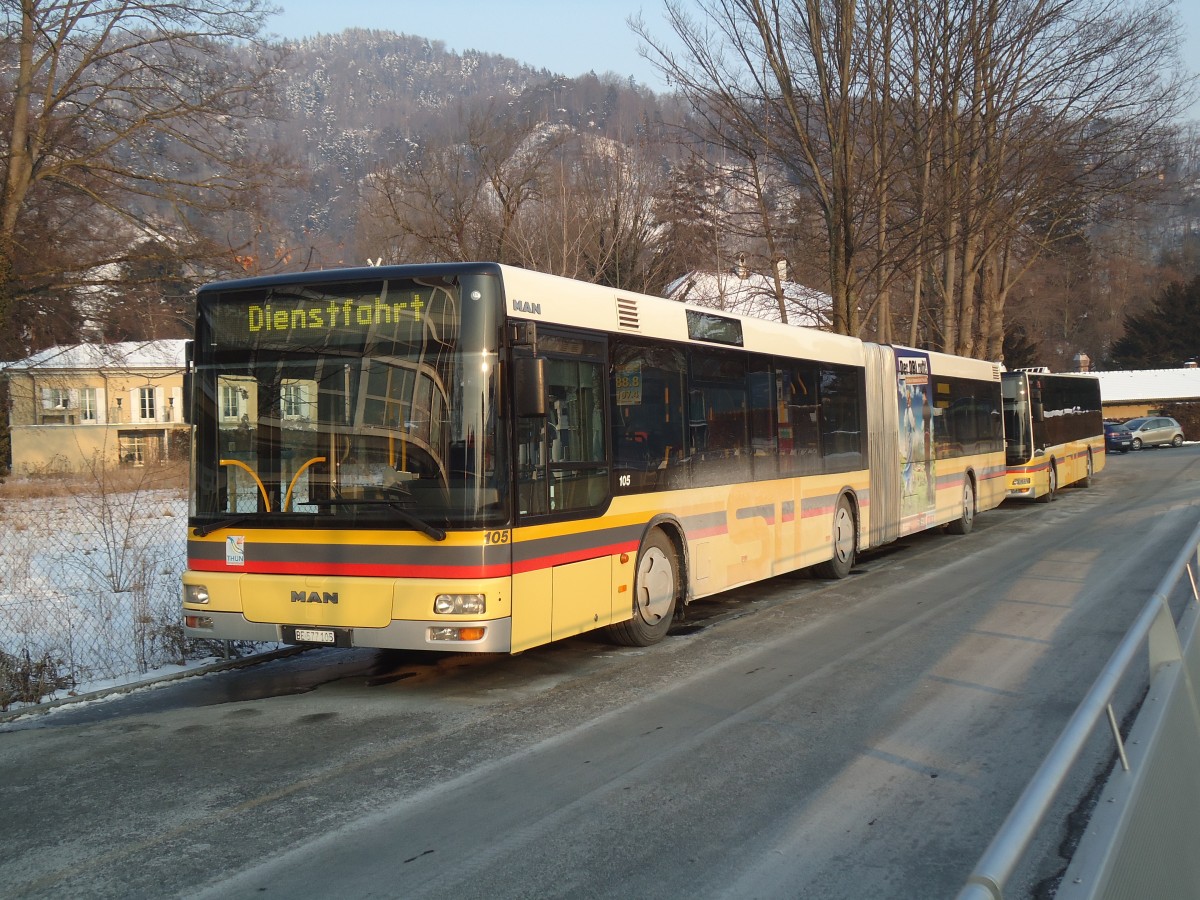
[
  {"x": 575, "y": 419},
  {"x": 842, "y": 402},
  {"x": 562, "y": 461},
  {"x": 718, "y": 413},
  {"x": 799, "y": 441},
  {"x": 648, "y": 414},
  {"x": 764, "y": 436}
]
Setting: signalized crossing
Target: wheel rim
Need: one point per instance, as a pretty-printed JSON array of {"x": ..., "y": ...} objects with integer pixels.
[
  {"x": 1137, "y": 444},
  {"x": 1089, "y": 466},
  {"x": 968, "y": 510},
  {"x": 655, "y": 586},
  {"x": 1053, "y": 481},
  {"x": 843, "y": 534}
]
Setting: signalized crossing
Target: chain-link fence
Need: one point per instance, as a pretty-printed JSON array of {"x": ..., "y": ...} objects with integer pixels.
[{"x": 90, "y": 570}]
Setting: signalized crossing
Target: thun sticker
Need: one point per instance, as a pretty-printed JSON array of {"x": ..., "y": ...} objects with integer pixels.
[{"x": 235, "y": 550}]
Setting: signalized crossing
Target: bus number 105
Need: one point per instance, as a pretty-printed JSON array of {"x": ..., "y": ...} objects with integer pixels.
[{"x": 497, "y": 537}]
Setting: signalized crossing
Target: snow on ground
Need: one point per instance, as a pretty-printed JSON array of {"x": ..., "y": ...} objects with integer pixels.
[{"x": 89, "y": 587}]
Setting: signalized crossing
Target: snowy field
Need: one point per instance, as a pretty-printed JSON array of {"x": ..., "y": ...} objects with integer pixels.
[{"x": 90, "y": 583}]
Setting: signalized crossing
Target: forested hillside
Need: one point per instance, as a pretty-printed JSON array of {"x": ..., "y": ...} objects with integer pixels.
[{"x": 358, "y": 103}]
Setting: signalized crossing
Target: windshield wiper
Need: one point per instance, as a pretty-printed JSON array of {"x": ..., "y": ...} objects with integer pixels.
[
  {"x": 205, "y": 530},
  {"x": 419, "y": 524}
]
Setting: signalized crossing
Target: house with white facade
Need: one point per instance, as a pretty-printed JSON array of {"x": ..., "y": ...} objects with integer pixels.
[
  {"x": 753, "y": 294},
  {"x": 120, "y": 404}
]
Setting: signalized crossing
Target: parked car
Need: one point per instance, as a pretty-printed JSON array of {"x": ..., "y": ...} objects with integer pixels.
[
  {"x": 1117, "y": 438},
  {"x": 1154, "y": 431}
]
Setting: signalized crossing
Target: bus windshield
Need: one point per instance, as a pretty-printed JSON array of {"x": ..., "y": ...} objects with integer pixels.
[
  {"x": 1018, "y": 426},
  {"x": 367, "y": 404}
]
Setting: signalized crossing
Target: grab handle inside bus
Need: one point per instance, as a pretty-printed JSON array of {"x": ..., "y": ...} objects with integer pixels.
[{"x": 529, "y": 386}]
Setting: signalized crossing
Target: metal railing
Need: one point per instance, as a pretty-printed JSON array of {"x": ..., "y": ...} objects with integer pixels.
[{"x": 1156, "y": 631}]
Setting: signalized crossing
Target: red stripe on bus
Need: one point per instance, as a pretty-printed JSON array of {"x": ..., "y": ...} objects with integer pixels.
[
  {"x": 366, "y": 570},
  {"x": 414, "y": 571},
  {"x": 1038, "y": 467},
  {"x": 557, "y": 559}
]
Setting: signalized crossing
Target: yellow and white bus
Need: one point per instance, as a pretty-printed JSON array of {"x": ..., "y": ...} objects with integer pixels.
[
  {"x": 1053, "y": 431},
  {"x": 475, "y": 457}
]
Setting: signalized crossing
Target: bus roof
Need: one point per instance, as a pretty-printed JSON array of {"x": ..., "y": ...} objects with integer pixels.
[{"x": 553, "y": 299}]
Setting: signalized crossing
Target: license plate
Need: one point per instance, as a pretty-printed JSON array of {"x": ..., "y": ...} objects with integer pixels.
[{"x": 314, "y": 635}]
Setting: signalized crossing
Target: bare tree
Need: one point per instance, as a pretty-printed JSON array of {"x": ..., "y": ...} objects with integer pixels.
[
  {"x": 129, "y": 111},
  {"x": 931, "y": 136},
  {"x": 1031, "y": 111},
  {"x": 462, "y": 198},
  {"x": 790, "y": 75}
]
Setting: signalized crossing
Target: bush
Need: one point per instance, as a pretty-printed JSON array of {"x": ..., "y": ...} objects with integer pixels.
[
  {"x": 1188, "y": 416},
  {"x": 24, "y": 679}
]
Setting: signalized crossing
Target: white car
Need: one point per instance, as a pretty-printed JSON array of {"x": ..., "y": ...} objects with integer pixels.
[{"x": 1153, "y": 431}]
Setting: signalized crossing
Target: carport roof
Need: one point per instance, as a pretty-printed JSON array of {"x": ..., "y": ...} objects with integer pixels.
[{"x": 1149, "y": 384}]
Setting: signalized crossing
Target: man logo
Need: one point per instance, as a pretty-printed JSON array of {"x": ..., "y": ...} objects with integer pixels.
[
  {"x": 314, "y": 597},
  {"x": 524, "y": 306}
]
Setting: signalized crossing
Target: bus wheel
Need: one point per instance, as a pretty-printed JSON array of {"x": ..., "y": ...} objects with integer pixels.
[
  {"x": 964, "y": 524},
  {"x": 845, "y": 543},
  {"x": 1086, "y": 480},
  {"x": 1052, "y": 485},
  {"x": 656, "y": 591}
]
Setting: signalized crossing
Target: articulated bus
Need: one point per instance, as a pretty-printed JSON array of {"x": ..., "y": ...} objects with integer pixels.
[
  {"x": 475, "y": 457},
  {"x": 1054, "y": 432}
]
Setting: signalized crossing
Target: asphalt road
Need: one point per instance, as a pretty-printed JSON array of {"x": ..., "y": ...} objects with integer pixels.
[{"x": 799, "y": 738}]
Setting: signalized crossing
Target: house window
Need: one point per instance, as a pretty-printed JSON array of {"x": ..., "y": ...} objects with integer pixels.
[
  {"x": 146, "y": 403},
  {"x": 132, "y": 448},
  {"x": 293, "y": 401},
  {"x": 55, "y": 398},
  {"x": 231, "y": 407},
  {"x": 87, "y": 405}
]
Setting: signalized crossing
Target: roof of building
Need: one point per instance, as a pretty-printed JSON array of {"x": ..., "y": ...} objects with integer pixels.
[
  {"x": 1149, "y": 384},
  {"x": 752, "y": 294},
  {"x": 125, "y": 355}
]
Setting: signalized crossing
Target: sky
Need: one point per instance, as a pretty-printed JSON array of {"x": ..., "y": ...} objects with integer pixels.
[{"x": 570, "y": 37}]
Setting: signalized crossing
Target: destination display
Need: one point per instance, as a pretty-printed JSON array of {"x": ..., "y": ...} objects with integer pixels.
[
  {"x": 335, "y": 314},
  {"x": 309, "y": 319}
]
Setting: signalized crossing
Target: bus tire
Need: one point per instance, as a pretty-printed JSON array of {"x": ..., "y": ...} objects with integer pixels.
[
  {"x": 1052, "y": 488},
  {"x": 845, "y": 542},
  {"x": 966, "y": 521},
  {"x": 657, "y": 586},
  {"x": 1086, "y": 480}
]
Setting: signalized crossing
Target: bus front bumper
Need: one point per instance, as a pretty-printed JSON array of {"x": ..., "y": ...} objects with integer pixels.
[{"x": 443, "y": 636}]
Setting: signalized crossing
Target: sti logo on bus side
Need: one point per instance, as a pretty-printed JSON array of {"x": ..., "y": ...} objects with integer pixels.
[
  {"x": 314, "y": 597},
  {"x": 524, "y": 306}
]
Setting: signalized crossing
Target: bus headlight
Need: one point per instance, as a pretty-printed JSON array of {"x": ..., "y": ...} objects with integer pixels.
[
  {"x": 473, "y": 633},
  {"x": 460, "y": 604},
  {"x": 195, "y": 593}
]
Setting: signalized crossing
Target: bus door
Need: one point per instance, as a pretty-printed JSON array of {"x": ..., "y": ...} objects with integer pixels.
[{"x": 563, "y": 571}]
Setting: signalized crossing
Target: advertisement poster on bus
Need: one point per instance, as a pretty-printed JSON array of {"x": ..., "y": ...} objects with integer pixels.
[{"x": 918, "y": 478}]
